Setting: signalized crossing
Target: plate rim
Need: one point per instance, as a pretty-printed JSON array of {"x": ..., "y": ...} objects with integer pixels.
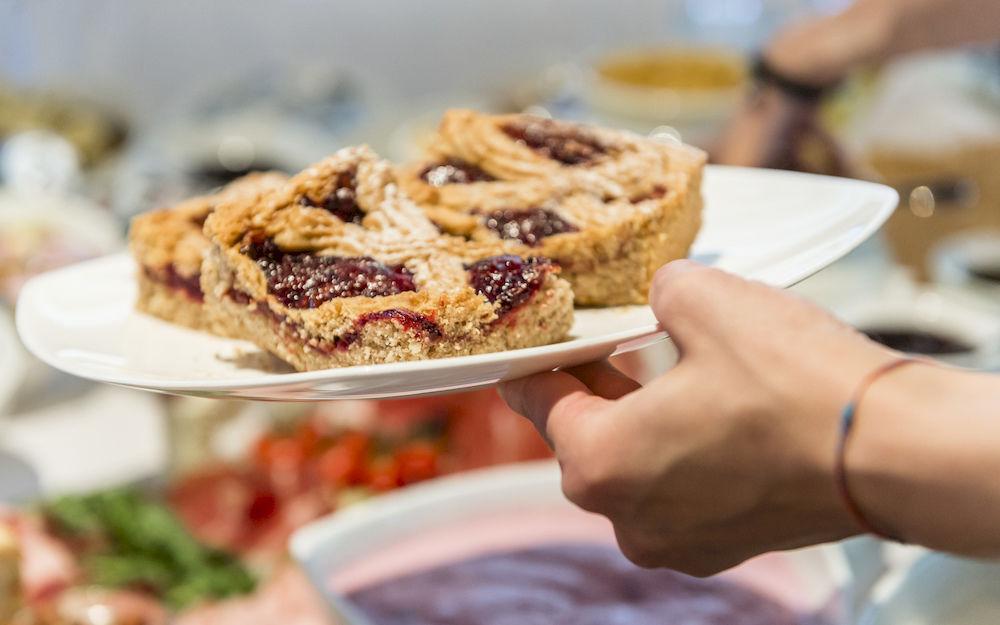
[{"x": 884, "y": 196}]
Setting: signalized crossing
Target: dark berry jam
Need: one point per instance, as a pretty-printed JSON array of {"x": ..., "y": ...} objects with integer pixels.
[
  {"x": 508, "y": 281},
  {"x": 529, "y": 225},
  {"x": 655, "y": 193},
  {"x": 990, "y": 274},
  {"x": 304, "y": 280},
  {"x": 561, "y": 142},
  {"x": 190, "y": 286},
  {"x": 342, "y": 201},
  {"x": 454, "y": 171},
  {"x": 917, "y": 342},
  {"x": 409, "y": 320}
]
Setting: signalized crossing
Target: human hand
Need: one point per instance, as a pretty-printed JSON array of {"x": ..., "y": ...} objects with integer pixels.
[{"x": 728, "y": 455}]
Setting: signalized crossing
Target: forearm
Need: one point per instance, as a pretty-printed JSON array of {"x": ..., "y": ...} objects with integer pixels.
[
  {"x": 924, "y": 458},
  {"x": 825, "y": 50}
]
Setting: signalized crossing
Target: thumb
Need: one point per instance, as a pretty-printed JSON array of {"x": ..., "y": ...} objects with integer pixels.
[{"x": 686, "y": 297}]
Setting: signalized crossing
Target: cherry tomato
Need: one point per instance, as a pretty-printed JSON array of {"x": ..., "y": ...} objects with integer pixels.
[
  {"x": 309, "y": 436},
  {"x": 279, "y": 453},
  {"x": 358, "y": 442},
  {"x": 383, "y": 474},
  {"x": 417, "y": 461},
  {"x": 341, "y": 465}
]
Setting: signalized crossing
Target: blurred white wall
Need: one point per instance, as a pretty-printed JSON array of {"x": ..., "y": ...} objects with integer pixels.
[{"x": 143, "y": 56}]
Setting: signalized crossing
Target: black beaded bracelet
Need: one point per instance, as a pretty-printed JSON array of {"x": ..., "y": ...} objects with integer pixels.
[{"x": 764, "y": 74}]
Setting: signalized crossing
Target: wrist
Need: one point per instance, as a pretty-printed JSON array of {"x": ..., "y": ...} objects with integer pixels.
[
  {"x": 923, "y": 456},
  {"x": 824, "y": 51}
]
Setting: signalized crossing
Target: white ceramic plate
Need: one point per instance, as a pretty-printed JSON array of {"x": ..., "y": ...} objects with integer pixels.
[{"x": 777, "y": 227}]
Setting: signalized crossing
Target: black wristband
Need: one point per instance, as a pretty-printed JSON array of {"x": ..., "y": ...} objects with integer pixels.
[{"x": 764, "y": 74}]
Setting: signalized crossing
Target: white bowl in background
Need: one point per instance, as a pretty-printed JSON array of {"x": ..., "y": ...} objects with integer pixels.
[
  {"x": 442, "y": 521},
  {"x": 938, "y": 590},
  {"x": 946, "y": 312},
  {"x": 954, "y": 259},
  {"x": 622, "y": 90}
]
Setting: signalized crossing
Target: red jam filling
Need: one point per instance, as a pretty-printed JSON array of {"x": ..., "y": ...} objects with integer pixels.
[
  {"x": 342, "y": 201},
  {"x": 656, "y": 193},
  {"x": 560, "y": 142},
  {"x": 190, "y": 286},
  {"x": 409, "y": 320},
  {"x": 454, "y": 171},
  {"x": 508, "y": 281},
  {"x": 305, "y": 280},
  {"x": 529, "y": 225}
]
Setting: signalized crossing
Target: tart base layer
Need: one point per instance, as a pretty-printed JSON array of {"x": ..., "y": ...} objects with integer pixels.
[{"x": 160, "y": 300}]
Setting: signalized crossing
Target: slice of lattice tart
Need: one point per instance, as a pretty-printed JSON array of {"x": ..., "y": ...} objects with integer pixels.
[
  {"x": 168, "y": 246},
  {"x": 609, "y": 206},
  {"x": 337, "y": 267}
]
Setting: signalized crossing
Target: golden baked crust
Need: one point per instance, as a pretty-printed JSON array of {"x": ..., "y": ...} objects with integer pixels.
[
  {"x": 169, "y": 246},
  {"x": 627, "y": 204},
  {"x": 252, "y": 289}
]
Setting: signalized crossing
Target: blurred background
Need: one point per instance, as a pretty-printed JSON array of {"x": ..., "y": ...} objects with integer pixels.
[{"x": 109, "y": 108}]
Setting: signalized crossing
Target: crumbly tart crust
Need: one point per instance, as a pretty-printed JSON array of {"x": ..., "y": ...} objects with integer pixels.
[
  {"x": 609, "y": 207},
  {"x": 338, "y": 267},
  {"x": 169, "y": 246}
]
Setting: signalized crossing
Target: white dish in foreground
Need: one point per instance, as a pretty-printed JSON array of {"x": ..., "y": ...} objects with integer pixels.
[
  {"x": 776, "y": 227},
  {"x": 504, "y": 509}
]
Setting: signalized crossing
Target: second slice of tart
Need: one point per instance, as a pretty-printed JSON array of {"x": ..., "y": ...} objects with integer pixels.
[
  {"x": 610, "y": 207},
  {"x": 168, "y": 246},
  {"x": 338, "y": 267}
]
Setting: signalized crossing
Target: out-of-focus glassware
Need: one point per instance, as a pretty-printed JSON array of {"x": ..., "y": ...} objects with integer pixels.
[
  {"x": 39, "y": 160},
  {"x": 93, "y": 133},
  {"x": 263, "y": 122}
]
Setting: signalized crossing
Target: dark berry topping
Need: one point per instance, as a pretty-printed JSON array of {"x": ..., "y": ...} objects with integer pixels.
[
  {"x": 508, "y": 281},
  {"x": 304, "y": 280},
  {"x": 655, "y": 193},
  {"x": 409, "y": 320},
  {"x": 529, "y": 225},
  {"x": 453, "y": 171},
  {"x": 561, "y": 142},
  {"x": 342, "y": 201},
  {"x": 190, "y": 286}
]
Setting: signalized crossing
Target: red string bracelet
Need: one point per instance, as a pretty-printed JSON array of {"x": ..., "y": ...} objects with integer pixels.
[{"x": 847, "y": 419}]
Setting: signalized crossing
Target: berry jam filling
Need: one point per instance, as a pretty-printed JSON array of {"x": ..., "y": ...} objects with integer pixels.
[
  {"x": 656, "y": 193},
  {"x": 304, "y": 280},
  {"x": 453, "y": 171},
  {"x": 560, "y": 142},
  {"x": 529, "y": 225},
  {"x": 409, "y": 320},
  {"x": 190, "y": 286},
  {"x": 508, "y": 281},
  {"x": 342, "y": 201}
]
